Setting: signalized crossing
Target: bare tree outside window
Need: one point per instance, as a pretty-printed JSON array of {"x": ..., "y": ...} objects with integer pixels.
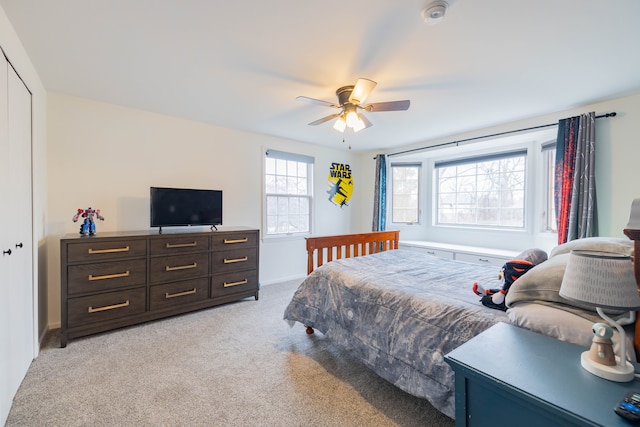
[{"x": 487, "y": 192}]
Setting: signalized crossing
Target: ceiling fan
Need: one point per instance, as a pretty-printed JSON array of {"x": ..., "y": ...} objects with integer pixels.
[{"x": 350, "y": 100}]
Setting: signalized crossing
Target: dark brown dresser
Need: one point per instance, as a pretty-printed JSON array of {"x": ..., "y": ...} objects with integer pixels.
[{"x": 113, "y": 280}]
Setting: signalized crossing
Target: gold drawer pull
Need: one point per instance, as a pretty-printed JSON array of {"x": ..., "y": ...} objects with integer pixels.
[
  {"x": 181, "y": 245},
  {"x": 108, "y": 251},
  {"x": 231, "y": 261},
  {"x": 108, "y": 307},
  {"x": 245, "y": 240},
  {"x": 109, "y": 276},
  {"x": 181, "y": 267},
  {"x": 241, "y": 282},
  {"x": 167, "y": 295}
]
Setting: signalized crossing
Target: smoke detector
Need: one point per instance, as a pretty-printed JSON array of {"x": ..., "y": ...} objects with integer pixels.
[{"x": 434, "y": 12}]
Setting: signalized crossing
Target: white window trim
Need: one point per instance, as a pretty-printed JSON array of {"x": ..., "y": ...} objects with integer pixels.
[
  {"x": 390, "y": 198},
  {"x": 288, "y": 155}
]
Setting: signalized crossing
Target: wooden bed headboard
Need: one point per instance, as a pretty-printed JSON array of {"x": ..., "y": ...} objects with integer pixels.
[{"x": 348, "y": 246}]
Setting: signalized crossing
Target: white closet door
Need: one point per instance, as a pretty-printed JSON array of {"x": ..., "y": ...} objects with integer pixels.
[
  {"x": 6, "y": 261},
  {"x": 16, "y": 293}
]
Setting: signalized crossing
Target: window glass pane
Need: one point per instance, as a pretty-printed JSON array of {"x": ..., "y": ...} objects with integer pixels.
[
  {"x": 287, "y": 192},
  {"x": 548, "y": 188},
  {"x": 272, "y": 207},
  {"x": 489, "y": 192},
  {"x": 281, "y": 184},
  {"x": 270, "y": 166},
  {"x": 302, "y": 170},
  {"x": 281, "y": 167},
  {"x": 405, "y": 188},
  {"x": 270, "y": 183}
]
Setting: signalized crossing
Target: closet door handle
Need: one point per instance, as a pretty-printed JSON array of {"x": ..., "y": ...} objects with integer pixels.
[
  {"x": 7, "y": 252},
  {"x": 19, "y": 245}
]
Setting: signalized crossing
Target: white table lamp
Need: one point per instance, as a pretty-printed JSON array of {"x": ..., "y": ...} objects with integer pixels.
[{"x": 606, "y": 281}]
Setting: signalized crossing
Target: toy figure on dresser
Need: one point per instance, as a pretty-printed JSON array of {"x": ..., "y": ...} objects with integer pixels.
[{"x": 89, "y": 225}]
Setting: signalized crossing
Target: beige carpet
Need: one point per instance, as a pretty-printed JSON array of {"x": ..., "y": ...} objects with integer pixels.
[{"x": 235, "y": 365}]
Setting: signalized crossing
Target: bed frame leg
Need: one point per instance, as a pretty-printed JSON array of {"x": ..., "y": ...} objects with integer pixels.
[{"x": 309, "y": 330}]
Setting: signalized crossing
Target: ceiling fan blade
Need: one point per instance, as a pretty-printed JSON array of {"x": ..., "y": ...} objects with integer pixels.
[
  {"x": 388, "y": 106},
  {"x": 317, "y": 101},
  {"x": 324, "y": 119},
  {"x": 361, "y": 90}
]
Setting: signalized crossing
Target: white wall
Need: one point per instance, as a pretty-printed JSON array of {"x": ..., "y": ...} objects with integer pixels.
[
  {"x": 106, "y": 157},
  {"x": 617, "y": 176}
]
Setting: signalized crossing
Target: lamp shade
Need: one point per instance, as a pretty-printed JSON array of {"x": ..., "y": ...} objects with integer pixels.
[{"x": 602, "y": 279}]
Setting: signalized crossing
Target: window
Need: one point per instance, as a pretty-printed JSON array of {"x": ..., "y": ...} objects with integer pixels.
[
  {"x": 405, "y": 188},
  {"x": 482, "y": 191},
  {"x": 288, "y": 193},
  {"x": 549, "y": 167}
]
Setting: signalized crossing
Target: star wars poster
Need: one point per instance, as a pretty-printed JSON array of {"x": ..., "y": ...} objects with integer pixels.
[{"x": 340, "y": 184}]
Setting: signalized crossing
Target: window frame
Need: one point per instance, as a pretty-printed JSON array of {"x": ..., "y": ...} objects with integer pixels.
[
  {"x": 419, "y": 190},
  {"x": 287, "y": 156}
]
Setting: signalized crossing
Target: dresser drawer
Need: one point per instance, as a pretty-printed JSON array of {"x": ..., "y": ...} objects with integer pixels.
[
  {"x": 177, "y": 267},
  {"x": 105, "y": 307},
  {"x": 106, "y": 276},
  {"x": 105, "y": 251},
  {"x": 179, "y": 244},
  {"x": 234, "y": 260},
  {"x": 230, "y": 283},
  {"x": 172, "y": 294},
  {"x": 226, "y": 241}
]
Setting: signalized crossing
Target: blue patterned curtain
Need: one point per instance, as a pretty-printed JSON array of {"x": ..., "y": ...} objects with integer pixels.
[{"x": 380, "y": 194}]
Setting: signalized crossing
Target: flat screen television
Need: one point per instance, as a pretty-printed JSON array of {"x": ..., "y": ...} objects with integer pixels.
[{"x": 175, "y": 207}]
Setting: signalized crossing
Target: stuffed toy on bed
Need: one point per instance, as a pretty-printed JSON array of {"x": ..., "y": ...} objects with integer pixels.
[{"x": 509, "y": 273}]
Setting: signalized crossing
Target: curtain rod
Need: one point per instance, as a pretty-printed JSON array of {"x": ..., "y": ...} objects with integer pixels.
[{"x": 613, "y": 114}]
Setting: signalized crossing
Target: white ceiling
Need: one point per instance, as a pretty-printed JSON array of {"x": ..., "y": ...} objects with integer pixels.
[{"x": 241, "y": 64}]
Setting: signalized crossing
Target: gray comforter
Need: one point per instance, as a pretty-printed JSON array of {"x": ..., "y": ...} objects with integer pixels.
[{"x": 399, "y": 312}]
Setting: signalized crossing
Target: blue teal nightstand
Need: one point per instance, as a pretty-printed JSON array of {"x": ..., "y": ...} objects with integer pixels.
[{"x": 509, "y": 376}]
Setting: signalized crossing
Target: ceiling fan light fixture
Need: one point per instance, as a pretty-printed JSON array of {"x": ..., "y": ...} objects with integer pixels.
[
  {"x": 434, "y": 12},
  {"x": 350, "y": 99},
  {"x": 352, "y": 118},
  {"x": 359, "y": 125}
]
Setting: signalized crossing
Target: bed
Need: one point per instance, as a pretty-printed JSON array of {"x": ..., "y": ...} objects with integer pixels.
[{"x": 401, "y": 311}]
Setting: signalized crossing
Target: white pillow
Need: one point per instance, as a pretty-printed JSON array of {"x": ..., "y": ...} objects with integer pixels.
[
  {"x": 604, "y": 244},
  {"x": 562, "y": 325}
]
